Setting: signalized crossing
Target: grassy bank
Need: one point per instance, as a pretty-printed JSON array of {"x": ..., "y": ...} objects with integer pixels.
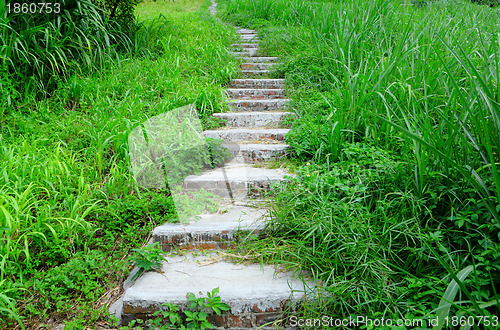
[
  {"x": 70, "y": 210},
  {"x": 398, "y": 125}
]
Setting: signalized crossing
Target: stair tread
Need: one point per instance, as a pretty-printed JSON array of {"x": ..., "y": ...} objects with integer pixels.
[
  {"x": 240, "y": 173},
  {"x": 243, "y": 287},
  {"x": 235, "y": 218}
]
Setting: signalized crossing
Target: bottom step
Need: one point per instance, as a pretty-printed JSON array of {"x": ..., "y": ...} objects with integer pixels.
[{"x": 256, "y": 294}]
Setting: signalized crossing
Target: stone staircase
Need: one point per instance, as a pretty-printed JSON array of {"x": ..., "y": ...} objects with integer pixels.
[{"x": 257, "y": 294}]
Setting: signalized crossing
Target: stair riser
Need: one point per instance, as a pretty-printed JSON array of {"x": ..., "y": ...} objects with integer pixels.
[
  {"x": 199, "y": 241},
  {"x": 250, "y": 313},
  {"x": 262, "y": 155},
  {"x": 245, "y": 105},
  {"x": 249, "y": 93},
  {"x": 258, "y": 83},
  {"x": 251, "y": 119}
]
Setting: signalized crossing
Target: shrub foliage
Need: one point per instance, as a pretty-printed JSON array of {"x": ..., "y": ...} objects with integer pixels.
[{"x": 39, "y": 49}]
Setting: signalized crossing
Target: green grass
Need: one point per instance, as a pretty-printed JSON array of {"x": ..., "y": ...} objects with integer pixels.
[
  {"x": 70, "y": 209},
  {"x": 150, "y": 8},
  {"x": 398, "y": 107}
]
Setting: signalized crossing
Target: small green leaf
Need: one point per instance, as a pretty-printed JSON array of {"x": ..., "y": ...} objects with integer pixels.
[{"x": 224, "y": 306}]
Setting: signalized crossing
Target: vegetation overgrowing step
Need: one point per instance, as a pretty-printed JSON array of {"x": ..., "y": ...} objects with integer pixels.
[
  {"x": 252, "y": 119},
  {"x": 258, "y": 105},
  {"x": 255, "y": 93},
  {"x": 239, "y": 181},
  {"x": 256, "y": 294},
  {"x": 210, "y": 231}
]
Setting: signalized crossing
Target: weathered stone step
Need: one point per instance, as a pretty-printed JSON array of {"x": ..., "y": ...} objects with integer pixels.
[
  {"x": 252, "y": 119},
  {"x": 243, "y": 134},
  {"x": 257, "y": 294},
  {"x": 258, "y": 83},
  {"x": 239, "y": 181},
  {"x": 258, "y": 105},
  {"x": 255, "y": 93},
  {"x": 262, "y": 59},
  {"x": 256, "y": 66},
  {"x": 246, "y": 52},
  {"x": 249, "y": 37},
  {"x": 251, "y": 73},
  {"x": 245, "y": 45},
  {"x": 210, "y": 231},
  {"x": 239, "y": 30},
  {"x": 260, "y": 152}
]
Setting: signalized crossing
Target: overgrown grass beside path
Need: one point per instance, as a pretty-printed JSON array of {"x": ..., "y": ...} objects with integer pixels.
[{"x": 398, "y": 124}]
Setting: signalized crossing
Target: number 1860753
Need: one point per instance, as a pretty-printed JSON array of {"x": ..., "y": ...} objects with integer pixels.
[{"x": 33, "y": 8}]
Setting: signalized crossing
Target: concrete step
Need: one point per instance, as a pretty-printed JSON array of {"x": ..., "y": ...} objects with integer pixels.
[
  {"x": 258, "y": 83},
  {"x": 245, "y": 31},
  {"x": 244, "y": 134},
  {"x": 255, "y": 93},
  {"x": 245, "y": 45},
  {"x": 236, "y": 181},
  {"x": 246, "y": 52},
  {"x": 262, "y": 59},
  {"x": 253, "y": 73},
  {"x": 256, "y": 151},
  {"x": 258, "y": 105},
  {"x": 252, "y": 119},
  {"x": 256, "y": 66},
  {"x": 210, "y": 231},
  {"x": 249, "y": 37},
  {"x": 257, "y": 294}
]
